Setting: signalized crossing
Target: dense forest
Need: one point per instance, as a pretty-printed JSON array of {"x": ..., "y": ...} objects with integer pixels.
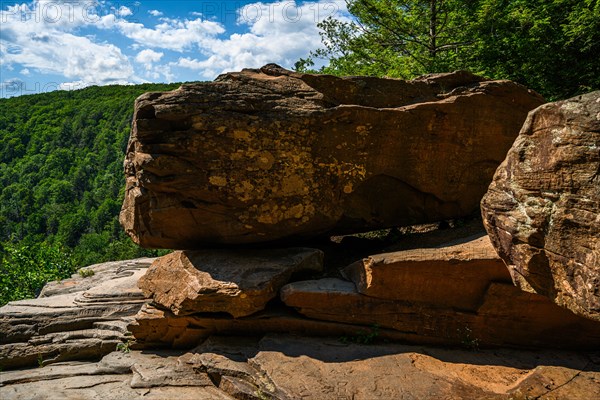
[{"x": 62, "y": 183}]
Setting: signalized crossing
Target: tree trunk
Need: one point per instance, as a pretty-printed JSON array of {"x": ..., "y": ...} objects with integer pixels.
[{"x": 433, "y": 29}]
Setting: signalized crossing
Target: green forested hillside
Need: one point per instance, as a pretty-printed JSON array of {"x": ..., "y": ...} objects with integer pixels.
[{"x": 61, "y": 183}]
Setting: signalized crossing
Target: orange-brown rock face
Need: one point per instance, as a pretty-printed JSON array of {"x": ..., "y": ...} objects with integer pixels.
[
  {"x": 238, "y": 282},
  {"x": 264, "y": 155},
  {"x": 542, "y": 210},
  {"x": 455, "y": 276}
]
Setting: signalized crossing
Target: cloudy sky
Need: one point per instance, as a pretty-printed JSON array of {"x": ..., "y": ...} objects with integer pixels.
[{"x": 66, "y": 44}]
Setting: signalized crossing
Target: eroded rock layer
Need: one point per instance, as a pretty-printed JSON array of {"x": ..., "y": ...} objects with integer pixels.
[
  {"x": 456, "y": 294},
  {"x": 455, "y": 275},
  {"x": 238, "y": 282},
  {"x": 75, "y": 319},
  {"x": 263, "y": 155},
  {"x": 542, "y": 210}
]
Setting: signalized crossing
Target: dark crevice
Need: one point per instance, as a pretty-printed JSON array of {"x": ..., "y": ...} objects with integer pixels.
[
  {"x": 188, "y": 204},
  {"x": 147, "y": 112}
]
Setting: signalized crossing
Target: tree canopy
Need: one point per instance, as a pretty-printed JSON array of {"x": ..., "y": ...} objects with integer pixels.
[{"x": 551, "y": 46}]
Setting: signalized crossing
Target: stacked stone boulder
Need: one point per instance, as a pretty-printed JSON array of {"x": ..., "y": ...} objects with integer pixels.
[
  {"x": 458, "y": 294},
  {"x": 236, "y": 282},
  {"x": 273, "y": 157}
]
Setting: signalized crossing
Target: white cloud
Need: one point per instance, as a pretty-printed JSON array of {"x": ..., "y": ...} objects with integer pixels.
[
  {"x": 41, "y": 36},
  {"x": 58, "y": 15},
  {"x": 12, "y": 83},
  {"x": 148, "y": 56},
  {"x": 75, "y": 85},
  {"x": 171, "y": 34},
  {"x": 124, "y": 11},
  {"x": 12, "y": 87},
  {"x": 25, "y": 71},
  {"x": 280, "y": 32},
  {"x": 162, "y": 70},
  {"x": 51, "y": 37}
]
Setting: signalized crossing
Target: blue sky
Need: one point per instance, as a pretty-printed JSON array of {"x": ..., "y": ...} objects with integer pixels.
[{"x": 70, "y": 44}]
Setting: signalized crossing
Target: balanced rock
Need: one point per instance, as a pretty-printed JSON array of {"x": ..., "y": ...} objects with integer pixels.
[
  {"x": 269, "y": 154},
  {"x": 486, "y": 310},
  {"x": 542, "y": 210},
  {"x": 239, "y": 282}
]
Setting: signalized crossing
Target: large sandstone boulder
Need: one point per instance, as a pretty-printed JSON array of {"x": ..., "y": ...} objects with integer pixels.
[
  {"x": 237, "y": 282},
  {"x": 263, "y": 155},
  {"x": 542, "y": 210}
]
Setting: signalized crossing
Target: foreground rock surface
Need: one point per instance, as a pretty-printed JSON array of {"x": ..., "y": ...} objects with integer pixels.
[
  {"x": 75, "y": 319},
  {"x": 263, "y": 155},
  {"x": 542, "y": 210},
  {"x": 238, "y": 282},
  {"x": 287, "y": 367}
]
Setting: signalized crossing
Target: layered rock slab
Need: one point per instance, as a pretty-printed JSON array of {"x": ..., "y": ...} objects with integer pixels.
[
  {"x": 395, "y": 371},
  {"x": 455, "y": 275},
  {"x": 156, "y": 328},
  {"x": 263, "y": 155},
  {"x": 455, "y": 294},
  {"x": 77, "y": 319},
  {"x": 133, "y": 375},
  {"x": 238, "y": 282},
  {"x": 507, "y": 317},
  {"x": 542, "y": 210}
]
